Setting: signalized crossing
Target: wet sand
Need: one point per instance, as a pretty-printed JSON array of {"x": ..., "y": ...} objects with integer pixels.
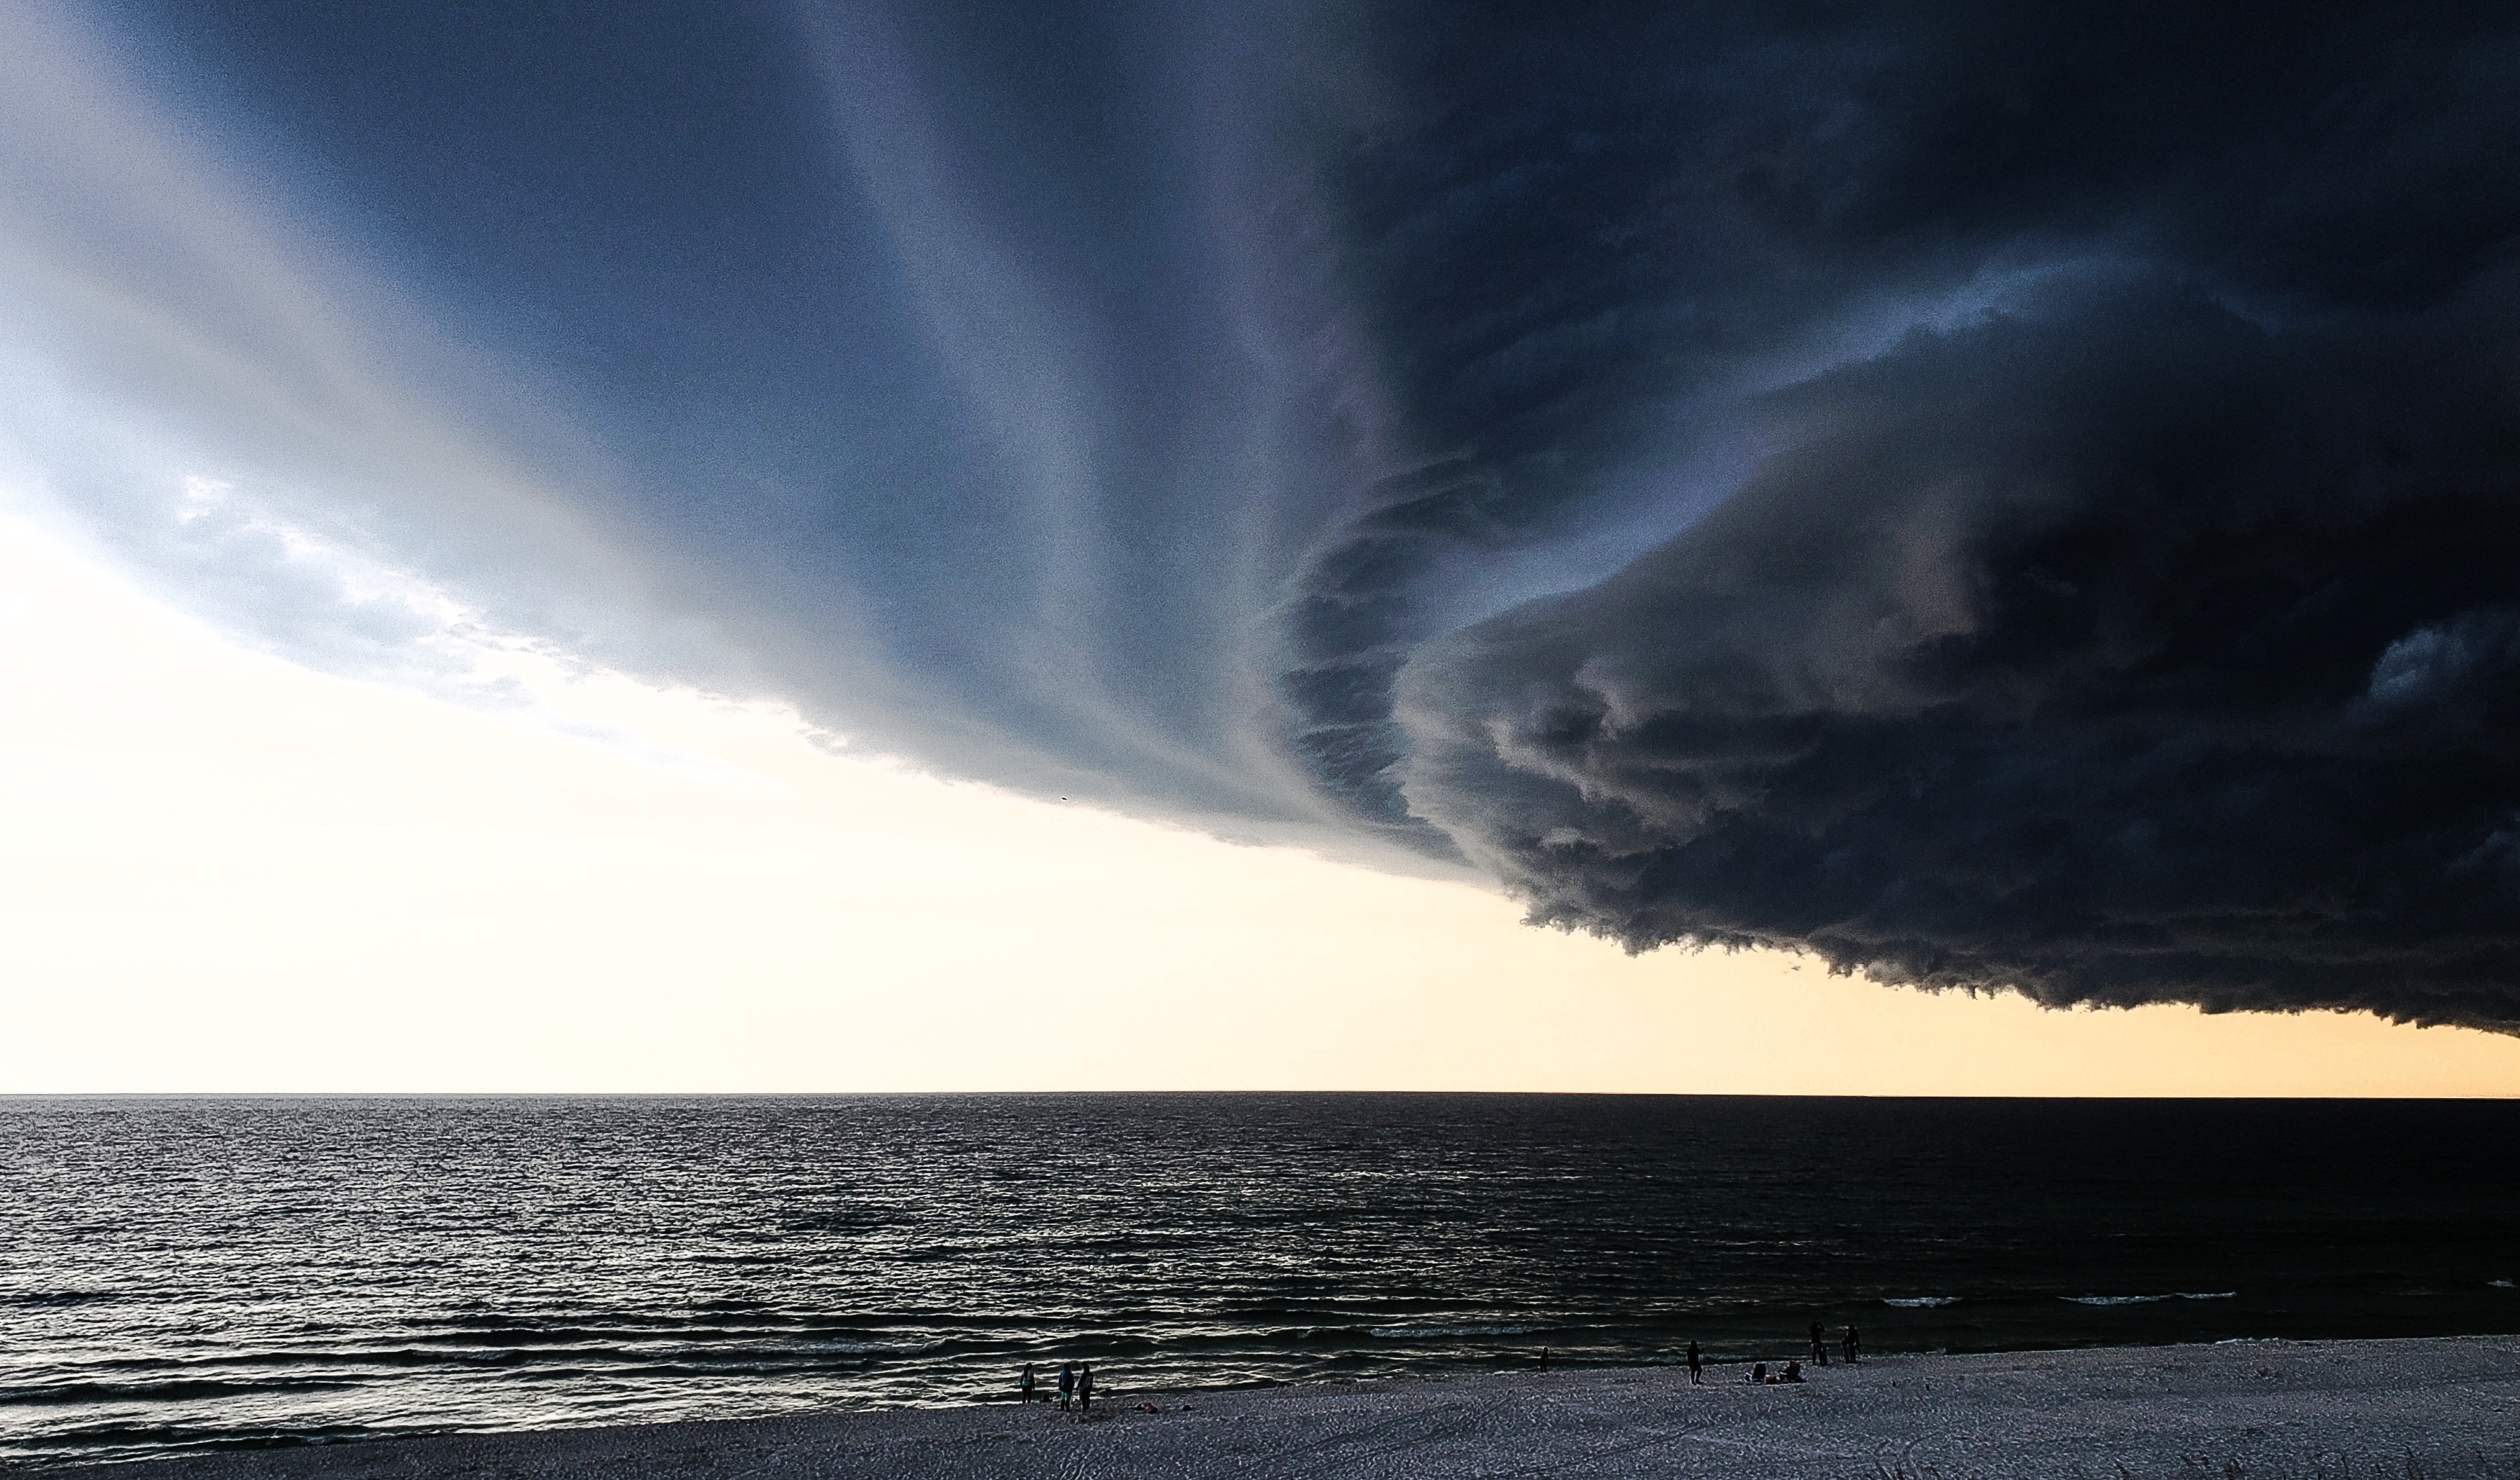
[{"x": 2437, "y": 1409}]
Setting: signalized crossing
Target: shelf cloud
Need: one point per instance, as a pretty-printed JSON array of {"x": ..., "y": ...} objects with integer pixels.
[{"x": 1999, "y": 500}]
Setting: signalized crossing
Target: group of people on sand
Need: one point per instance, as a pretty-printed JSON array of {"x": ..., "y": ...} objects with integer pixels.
[
  {"x": 1075, "y": 1386},
  {"x": 1076, "y": 1383},
  {"x": 1852, "y": 1343}
]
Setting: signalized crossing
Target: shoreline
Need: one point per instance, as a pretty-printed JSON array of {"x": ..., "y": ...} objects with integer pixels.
[{"x": 2444, "y": 1406}]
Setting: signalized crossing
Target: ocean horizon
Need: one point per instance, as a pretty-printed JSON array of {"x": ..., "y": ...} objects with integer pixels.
[{"x": 189, "y": 1273}]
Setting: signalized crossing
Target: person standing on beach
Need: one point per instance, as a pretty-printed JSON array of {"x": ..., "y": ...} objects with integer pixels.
[
  {"x": 1854, "y": 1344},
  {"x": 1066, "y": 1385},
  {"x": 1027, "y": 1385},
  {"x": 1820, "y": 1344},
  {"x": 1085, "y": 1388},
  {"x": 1697, "y": 1369}
]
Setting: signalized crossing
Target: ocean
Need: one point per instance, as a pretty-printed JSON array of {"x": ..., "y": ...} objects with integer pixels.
[{"x": 186, "y": 1274}]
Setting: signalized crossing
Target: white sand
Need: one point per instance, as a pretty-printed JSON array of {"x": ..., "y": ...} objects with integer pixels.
[{"x": 2424, "y": 1409}]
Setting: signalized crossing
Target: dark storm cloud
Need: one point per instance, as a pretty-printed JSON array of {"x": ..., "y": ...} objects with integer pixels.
[
  {"x": 1999, "y": 496},
  {"x": 2132, "y": 623},
  {"x": 2128, "y": 654}
]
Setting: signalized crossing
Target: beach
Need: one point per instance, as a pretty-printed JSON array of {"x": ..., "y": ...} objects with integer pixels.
[{"x": 2436, "y": 1407}]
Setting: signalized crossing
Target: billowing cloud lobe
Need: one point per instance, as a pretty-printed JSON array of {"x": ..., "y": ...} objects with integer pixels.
[{"x": 2138, "y": 624}]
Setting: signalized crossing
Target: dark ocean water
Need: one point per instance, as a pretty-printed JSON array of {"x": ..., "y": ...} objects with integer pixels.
[{"x": 185, "y": 1274}]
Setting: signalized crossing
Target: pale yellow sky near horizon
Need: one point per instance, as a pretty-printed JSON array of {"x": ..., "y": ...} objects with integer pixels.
[{"x": 224, "y": 873}]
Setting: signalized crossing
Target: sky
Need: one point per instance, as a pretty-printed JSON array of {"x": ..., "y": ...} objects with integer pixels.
[{"x": 855, "y": 546}]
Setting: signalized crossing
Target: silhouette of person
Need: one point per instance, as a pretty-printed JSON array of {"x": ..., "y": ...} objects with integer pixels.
[
  {"x": 1027, "y": 1385},
  {"x": 1793, "y": 1371},
  {"x": 1697, "y": 1369},
  {"x": 1085, "y": 1388},
  {"x": 1066, "y": 1385},
  {"x": 1854, "y": 1344},
  {"x": 1819, "y": 1343},
  {"x": 1543, "y": 1358}
]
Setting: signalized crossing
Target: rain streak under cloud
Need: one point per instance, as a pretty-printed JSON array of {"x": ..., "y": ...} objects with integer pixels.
[{"x": 1997, "y": 500}]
